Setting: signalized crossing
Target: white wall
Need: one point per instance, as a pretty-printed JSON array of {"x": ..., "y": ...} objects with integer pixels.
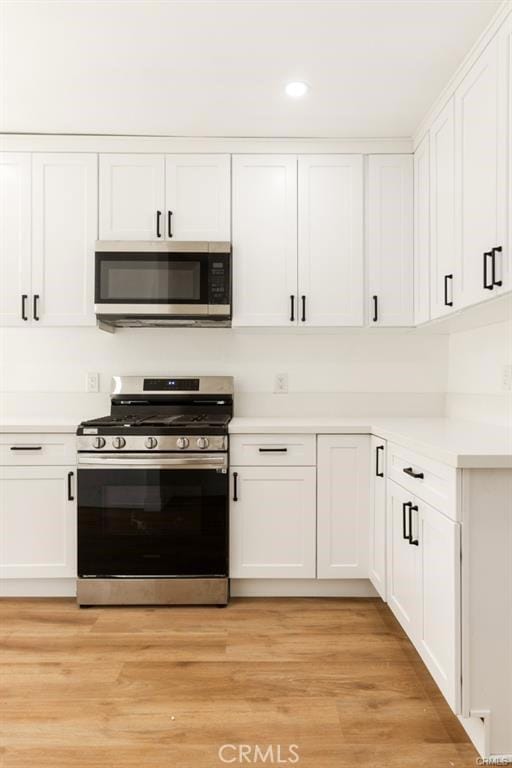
[
  {"x": 349, "y": 372},
  {"x": 475, "y": 374}
]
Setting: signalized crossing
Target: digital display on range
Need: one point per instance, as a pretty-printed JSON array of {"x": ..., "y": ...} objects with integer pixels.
[{"x": 171, "y": 385}]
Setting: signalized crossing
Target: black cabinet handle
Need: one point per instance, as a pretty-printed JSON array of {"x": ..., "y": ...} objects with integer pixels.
[
  {"x": 273, "y": 450},
  {"x": 446, "y": 302},
  {"x": 235, "y": 486},
  {"x": 496, "y": 250},
  {"x": 303, "y": 318},
  {"x": 24, "y": 306},
  {"x": 414, "y": 542},
  {"x": 292, "y": 309},
  {"x": 70, "y": 494},
  {"x": 405, "y": 535},
  {"x": 375, "y": 300},
  {"x": 26, "y": 448},
  {"x": 379, "y": 448},
  {"x": 169, "y": 223},
  {"x": 488, "y": 286},
  {"x": 410, "y": 471},
  {"x": 158, "y": 217},
  {"x": 35, "y": 312}
]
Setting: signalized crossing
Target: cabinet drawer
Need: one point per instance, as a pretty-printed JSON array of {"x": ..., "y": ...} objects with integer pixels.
[
  {"x": 429, "y": 480},
  {"x": 272, "y": 450},
  {"x": 32, "y": 449}
]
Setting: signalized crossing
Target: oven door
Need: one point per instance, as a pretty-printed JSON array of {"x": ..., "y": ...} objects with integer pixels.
[
  {"x": 163, "y": 517},
  {"x": 148, "y": 283}
]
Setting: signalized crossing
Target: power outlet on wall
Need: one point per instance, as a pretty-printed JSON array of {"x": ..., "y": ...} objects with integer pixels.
[
  {"x": 281, "y": 384},
  {"x": 93, "y": 382},
  {"x": 506, "y": 380}
]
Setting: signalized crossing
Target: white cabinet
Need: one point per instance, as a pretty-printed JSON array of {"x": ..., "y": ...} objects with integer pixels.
[
  {"x": 390, "y": 240},
  {"x": 15, "y": 232},
  {"x": 330, "y": 244},
  {"x": 272, "y": 522},
  {"x": 422, "y": 232},
  {"x": 402, "y": 561},
  {"x": 342, "y": 506},
  {"x": 132, "y": 197},
  {"x": 197, "y": 197},
  {"x": 38, "y": 522},
  {"x": 444, "y": 268},
  {"x": 265, "y": 240},
  {"x": 64, "y": 230},
  {"x": 377, "y": 549},
  {"x": 481, "y": 156},
  {"x": 506, "y": 64}
]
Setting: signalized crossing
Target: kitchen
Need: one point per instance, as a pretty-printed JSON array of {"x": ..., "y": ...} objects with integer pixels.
[{"x": 256, "y": 354}]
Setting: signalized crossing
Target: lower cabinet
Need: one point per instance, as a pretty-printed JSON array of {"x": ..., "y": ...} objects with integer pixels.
[
  {"x": 423, "y": 584},
  {"x": 272, "y": 522},
  {"x": 37, "y": 522},
  {"x": 377, "y": 548}
]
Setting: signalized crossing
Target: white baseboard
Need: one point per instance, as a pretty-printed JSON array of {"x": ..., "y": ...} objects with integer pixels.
[
  {"x": 37, "y": 587},
  {"x": 302, "y": 588}
]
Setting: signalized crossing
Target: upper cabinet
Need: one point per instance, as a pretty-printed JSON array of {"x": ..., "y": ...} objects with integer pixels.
[
  {"x": 422, "y": 233},
  {"x": 157, "y": 197},
  {"x": 481, "y": 176},
  {"x": 264, "y": 240},
  {"x": 390, "y": 240},
  {"x": 15, "y": 233},
  {"x": 330, "y": 247},
  {"x": 443, "y": 272}
]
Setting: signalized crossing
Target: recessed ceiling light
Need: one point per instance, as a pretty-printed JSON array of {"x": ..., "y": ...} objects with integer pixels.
[{"x": 296, "y": 90}]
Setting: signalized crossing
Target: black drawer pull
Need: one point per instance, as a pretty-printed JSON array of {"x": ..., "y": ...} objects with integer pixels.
[
  {"x": 292, "y": 309},
  {"x": 414, "y": 542},
  {"x": 496, "y": 250},
  {"x": 487, "y": 285},
  {"x": 70, "y": 493},
  {"x": 303, "y": 318},
  {"x": 24, "y": 298},
  {"x": 169, "y": 223},
  {"x": 272, "y": 450},
  {"x": 235, "y": 486},
  {"x": 158, "y": 216},
  {"x": 446, "y": 302},
  {"x": 405, "y": 535},
  {"x": 410, "y": 471},
  {"x": 378, "y": 473},
  {"x": 35, "y": 312},
  {"x": 375, "y": 308},
  {"x": 26, "y": 448}
]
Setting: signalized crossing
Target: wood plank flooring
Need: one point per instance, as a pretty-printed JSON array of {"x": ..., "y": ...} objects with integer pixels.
[{"x": 167, "y": 687}]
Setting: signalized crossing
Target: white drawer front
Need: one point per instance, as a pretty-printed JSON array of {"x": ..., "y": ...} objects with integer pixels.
[
  {"x": 429, "y": 480},
  {"x": 272, "y": 450},
  {"x": 32, "y": 449}
]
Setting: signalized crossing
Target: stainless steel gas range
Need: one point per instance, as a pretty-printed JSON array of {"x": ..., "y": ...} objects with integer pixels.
[{"x": 153, "y": 494}]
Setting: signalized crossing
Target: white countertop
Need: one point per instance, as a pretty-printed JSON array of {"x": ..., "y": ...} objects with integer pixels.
[
  {"x": 457, "y": 443},
  {"x": 20, "y": 426}
]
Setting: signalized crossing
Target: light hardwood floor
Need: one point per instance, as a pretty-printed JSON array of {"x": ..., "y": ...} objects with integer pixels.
[{"x": 167, "y": 687}]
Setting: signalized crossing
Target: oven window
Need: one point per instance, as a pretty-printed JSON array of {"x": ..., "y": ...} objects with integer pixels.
[
  {"x": 140, "y": 522},
  {"x": 149, "y": 279}
]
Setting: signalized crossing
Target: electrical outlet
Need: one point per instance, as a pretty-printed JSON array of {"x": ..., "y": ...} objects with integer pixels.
[
  {"x": 507, "y": 378},
  {"x": 93, "y": 382},
  {"x": 281, "y": 384}
]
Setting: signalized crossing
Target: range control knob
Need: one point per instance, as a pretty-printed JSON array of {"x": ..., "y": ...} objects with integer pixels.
[
  {"x": 182, "y": 442},
  {"x": 119, "y": 442},
  {"x": 151, "y": 442},
  {"x": 99, "y": 442},
  {"x": 202, "y": 442}
]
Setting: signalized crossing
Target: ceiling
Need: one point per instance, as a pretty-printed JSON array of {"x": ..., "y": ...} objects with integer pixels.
[{"x": 218, "y": 67}]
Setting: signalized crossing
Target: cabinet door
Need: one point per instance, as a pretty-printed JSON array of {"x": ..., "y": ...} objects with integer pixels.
[
  {"x": 377, "y": 564},
  {"x": 402, "y": 561},
  {"x": 422, "y": 233},
  {"x": 439, "y": 630},
  {"x": 390, "y": 240},
  {"x": 272, "y": 522},
  {"x": 330, "y": 246},
  {"x": 264, "y": 240},
  {"x": 198, "y": 197},
  {"x": 15, "y": 234},
  {"x": 132, "y": 197},
  {"x": 342, "y": 506},
  {"x": 506, "y": 67},
  {"x": 65, "y": 227},
  {"x": 480, "y": 121},
  {"x": 37, "y": 522},
  {"x": 444, "y": 274}
]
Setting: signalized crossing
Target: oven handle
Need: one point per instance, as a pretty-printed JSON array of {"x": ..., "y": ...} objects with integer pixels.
[{"x": 140, "y": 461}]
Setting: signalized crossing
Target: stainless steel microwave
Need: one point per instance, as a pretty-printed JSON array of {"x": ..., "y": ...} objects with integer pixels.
[{"x": 163, "y": 284}]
